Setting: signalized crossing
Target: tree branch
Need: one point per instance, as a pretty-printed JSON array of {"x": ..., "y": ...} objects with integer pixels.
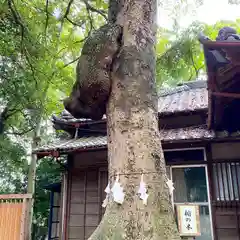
[
  {"x": 21, "y": 132},
  {"x": 90, "y": 20},
  {"x": 15, "y": 14},
  {"x": 76, "y": 42},
  {"x": 11, "y": 112},
  {"x": 4, "y": 115},
  {"x": 65, "y": 15},
  {"x": 172, "y": 48},
  {"x": 68, "y": 8},
  {"x": 69, "y": 63},
  {"x": 74, "y": 23},
  {"x": 193, "y": 63},
  {"x": 47, "y": 17},
  {"x": 31, "y": 66},
  {"x": 192, "y": 60},
  {"x": 17, "y": 18},
  {"x": 92, "y": 9}
]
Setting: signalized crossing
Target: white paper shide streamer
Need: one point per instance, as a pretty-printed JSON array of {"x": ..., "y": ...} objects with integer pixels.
[
  {"x": 117, "y": 191},
  {"x": 170, "y": 186},
  {"x": 106, "y": 200},
  {"x": 142, "y": 191}
]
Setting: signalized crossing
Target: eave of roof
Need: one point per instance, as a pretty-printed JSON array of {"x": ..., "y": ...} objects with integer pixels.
[
  {"x": 221, "y": 71},
  {"x": 186, "y": 98},
  {"x": 200, "y": 133}
]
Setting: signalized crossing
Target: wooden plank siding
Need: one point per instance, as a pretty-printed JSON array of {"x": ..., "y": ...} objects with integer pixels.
[
  {"x": 10, "y": 220},
  {"x": 14, "y": 216},
  {"x": 227, "y": 223},
  {"x": 86, "y": 196},
  {"x": 88, "y": 179},
  {"x": 225, "y": 183}
]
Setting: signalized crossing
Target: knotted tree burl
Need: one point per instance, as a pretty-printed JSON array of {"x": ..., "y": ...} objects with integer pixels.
[
  {"x": 116, "y": 75},
  {"x": 92, "y": 88}
]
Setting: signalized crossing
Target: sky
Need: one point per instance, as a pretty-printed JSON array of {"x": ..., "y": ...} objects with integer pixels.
[{"x": 210, "y": 12}]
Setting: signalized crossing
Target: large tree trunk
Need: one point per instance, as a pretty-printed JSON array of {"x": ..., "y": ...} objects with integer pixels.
[{"x": 134, "y": 144}]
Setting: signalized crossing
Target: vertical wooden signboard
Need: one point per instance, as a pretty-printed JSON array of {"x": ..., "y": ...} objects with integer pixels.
[{"x": 188, "y": 220}]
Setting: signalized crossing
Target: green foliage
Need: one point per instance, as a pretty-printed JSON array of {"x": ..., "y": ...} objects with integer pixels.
[
  {"x": 180, "y": 56},
  {"x": 48, "y": 172},
  {"x": 13, "y": 166},
  {"x": 38, "y": 53}
]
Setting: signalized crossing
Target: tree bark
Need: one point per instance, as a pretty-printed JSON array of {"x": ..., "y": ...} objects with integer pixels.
[
  {"x": 134, "y": 144},
  {"x": 32, "y": 178}
]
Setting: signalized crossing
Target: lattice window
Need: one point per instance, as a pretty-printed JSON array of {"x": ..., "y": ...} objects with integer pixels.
[
  {"x": 55, "y": 216},
  {"x": 226, "y": 176}
]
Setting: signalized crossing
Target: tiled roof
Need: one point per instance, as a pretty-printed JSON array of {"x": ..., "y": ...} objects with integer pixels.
[
  {"x": 167, "y": 135},
  {"x": 71, "y": 144},
  {"x": 189, "y": 133},
  {"x": 190, "y": 96},
  {"x": 191, "y": 85},
  {"x": 185, "y": 101},
  {"x": 65, "y": 116}
]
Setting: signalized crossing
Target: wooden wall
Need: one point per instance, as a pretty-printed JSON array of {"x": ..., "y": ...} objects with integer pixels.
[
  {"x": 226, "y": 151},
  {"x": 88, "y": 179},
  {"x": 87, "y": 186},
  {"x": 89, "y": 159},
  {"x": 226, "y": 213},
  {"x": 227, "y": 224}
]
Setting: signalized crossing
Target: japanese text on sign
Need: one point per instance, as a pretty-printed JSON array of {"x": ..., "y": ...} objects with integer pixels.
[{"x": 188, "y": 220}]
